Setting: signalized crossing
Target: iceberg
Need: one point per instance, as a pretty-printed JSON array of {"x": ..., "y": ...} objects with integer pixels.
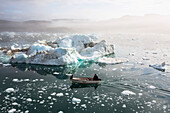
[{"x": 63, "y": 51}]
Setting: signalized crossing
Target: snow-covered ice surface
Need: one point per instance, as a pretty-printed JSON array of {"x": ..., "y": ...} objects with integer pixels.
[{"x": 128, "y": 87}]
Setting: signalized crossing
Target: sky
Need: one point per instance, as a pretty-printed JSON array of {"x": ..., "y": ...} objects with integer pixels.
[{"x": 20, "y": 10}]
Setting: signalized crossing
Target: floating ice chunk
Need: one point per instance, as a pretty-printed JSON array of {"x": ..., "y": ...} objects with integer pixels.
[
  {"x": 84, "y": 106},
  {"x": 41, "y": 102},
  {"x": 56, "y": 73},
  {"x": 27, "y": 111},
  {"x": 127, "y": 92},
  {"x": 53, "y": 94},
  {"x": 151, "y": 87},
  {"x": 12, "y": 111},
  {"x": 29, "y": 99},
  {"x": 6, "y": 65},
  {"x": 112, "y": 61},
  {"x": 59, "y": 94},
  {"x": 102, "y": 105},
  {"x": 60, "y": 112},
  {"x": 140, "y": 94},
  {"x": 159, "y": 67},
  {"x": 40, "y": 91},
  {"x": 15, "y": 104},
  {"x": 124, "y": 106},
  {"x": 16, "y": 80},
  {"x": 154, "y": 101},
  {"x": 26, "y": 80},
  {"x": 41, "y": 80},
  {"x": 75, "y": 100},
  {"x": 10, "y": 90}
]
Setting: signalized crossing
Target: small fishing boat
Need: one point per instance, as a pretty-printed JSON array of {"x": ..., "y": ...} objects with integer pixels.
[{"x": 85, "y": 80}]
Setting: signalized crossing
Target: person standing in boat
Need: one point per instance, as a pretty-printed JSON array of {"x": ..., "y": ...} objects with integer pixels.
[{"x": 95, "y": 77}]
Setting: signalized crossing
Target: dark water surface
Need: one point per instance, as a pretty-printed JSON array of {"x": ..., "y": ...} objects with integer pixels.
[{"x": 39, "y": 90}]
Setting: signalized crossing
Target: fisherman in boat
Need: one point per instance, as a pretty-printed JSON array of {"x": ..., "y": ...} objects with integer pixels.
[
  {"x": 95, "y": 77},
  {"x": 71, "y": 77}
]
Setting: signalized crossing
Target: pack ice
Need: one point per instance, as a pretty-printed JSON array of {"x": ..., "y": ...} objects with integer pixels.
[{"x": 63, "y": 51}]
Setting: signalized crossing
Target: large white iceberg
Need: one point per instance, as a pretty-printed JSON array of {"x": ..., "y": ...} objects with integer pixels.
[{"x": 63, "y": 51}]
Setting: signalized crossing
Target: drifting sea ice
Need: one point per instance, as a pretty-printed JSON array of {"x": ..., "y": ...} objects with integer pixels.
[
  {"x": 12, "y": 111},
  {"x": 75, "y": 100},
  {"x": 29, "y": 99},
  {"x": 59, "y": 94},
  {"x": 10, "y": 90},
  {"x": 127, "y": 92}
]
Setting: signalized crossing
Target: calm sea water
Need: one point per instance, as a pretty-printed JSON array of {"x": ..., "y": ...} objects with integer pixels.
[{"x": 41, "y": 90}]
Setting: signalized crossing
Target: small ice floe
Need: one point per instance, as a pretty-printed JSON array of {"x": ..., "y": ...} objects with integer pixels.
[
  {"x": 59, "y": 94},
  {"x": 68, "y": 74},
  {"x": 17, "y": 80},
  {"x": 27, "y": 111},
  {"x": 124, "y": 106},
  {"x": 29, "y": 99},
  {"x": 60, "y": 112},
  {"x": 75, "y": 100},
  {"x": 102, "y": 105},
  {"x": 6, "y": 65},
  {"x": 12, "y": 111},
  {"x": 158, "y": 66},
  {"x": 84, "y": 106},
  {"x": 26, "y": 80},
  {"x": 42, "y": 102},
  {"x": 53, "y": 93},
  {"x": 10, "y": 90},
  {"x": 15, "y": 104},
  {"x": 56, "y": 73},
  {"x": 151, "y": 87},
  {"x": 112, "y": 61},
  {"x": 127, "y": 92}
]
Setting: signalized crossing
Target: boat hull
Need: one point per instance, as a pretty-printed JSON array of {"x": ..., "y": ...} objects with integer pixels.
[{"x": 85, "y": 81}]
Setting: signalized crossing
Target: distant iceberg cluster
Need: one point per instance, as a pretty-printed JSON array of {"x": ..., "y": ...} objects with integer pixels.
[{"x": 62, "y": 51}]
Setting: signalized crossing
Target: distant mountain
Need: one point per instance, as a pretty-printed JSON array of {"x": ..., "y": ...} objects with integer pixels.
[
  {"x": 150, "y": 23},
  {"x": 37, "y": 22}
]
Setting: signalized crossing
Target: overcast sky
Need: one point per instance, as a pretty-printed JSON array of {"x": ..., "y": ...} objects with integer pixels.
[{"x": 80, "y": 9}]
